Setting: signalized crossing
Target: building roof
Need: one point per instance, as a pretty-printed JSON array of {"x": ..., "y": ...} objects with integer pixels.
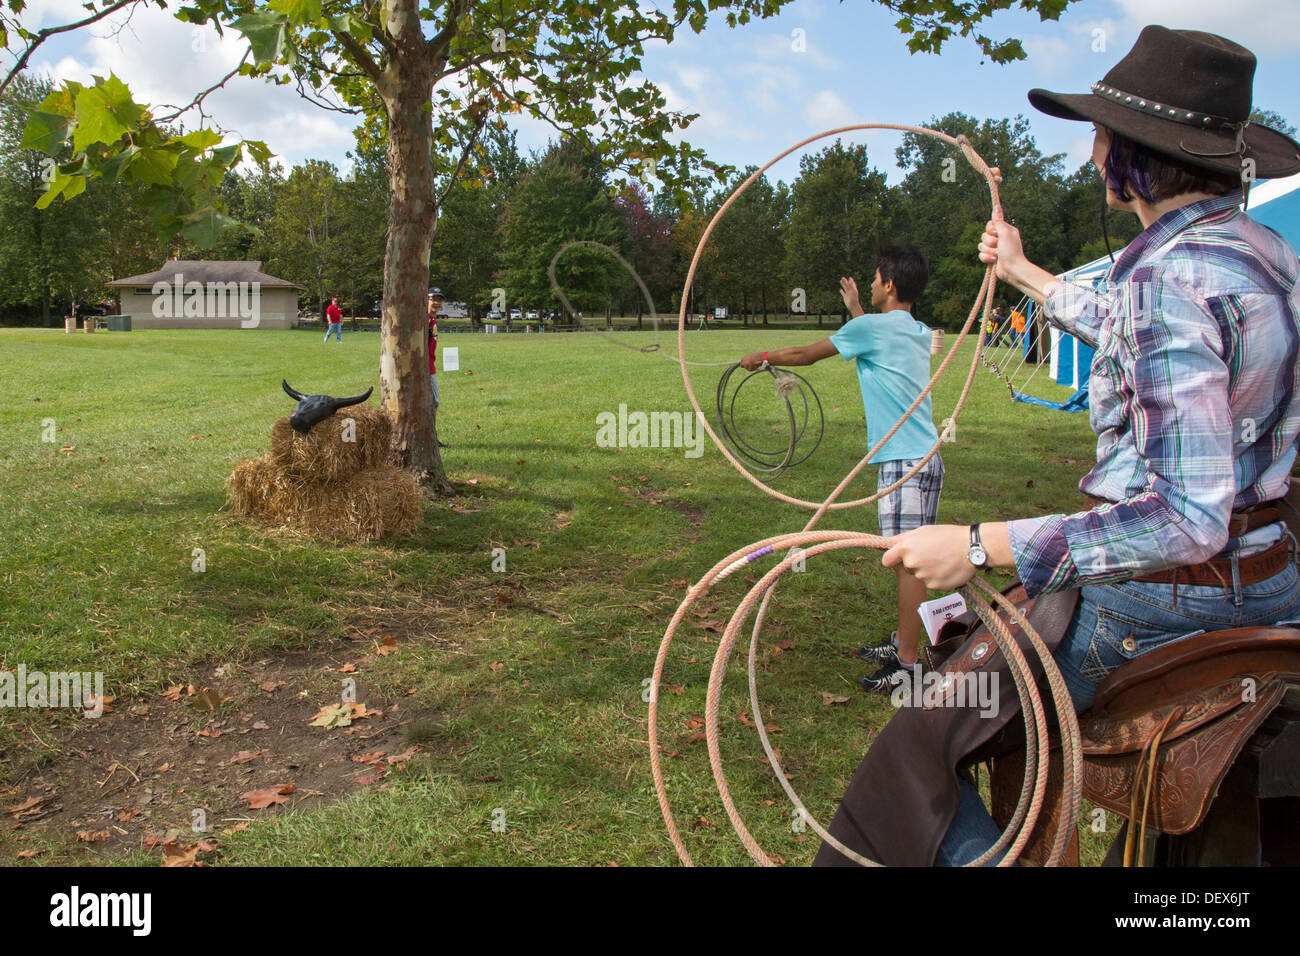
[{"x": 207, "y": 270}]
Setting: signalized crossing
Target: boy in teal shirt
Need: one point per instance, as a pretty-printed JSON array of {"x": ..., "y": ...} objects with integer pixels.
[{"x": 892, "y": 353}]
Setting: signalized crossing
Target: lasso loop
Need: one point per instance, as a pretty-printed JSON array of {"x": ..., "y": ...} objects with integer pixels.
[
  {"x": 1021, "y": 826},
  {"x": 654, "y": 314}
]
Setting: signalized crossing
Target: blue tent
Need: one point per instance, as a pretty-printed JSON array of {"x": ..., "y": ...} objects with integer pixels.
[{"x": 1275, "y": 203}]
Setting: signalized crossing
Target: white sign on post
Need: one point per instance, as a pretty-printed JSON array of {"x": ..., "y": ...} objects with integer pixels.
[
  {"x": 935, "y": 613},
  {"x": 451, "y": 359}
]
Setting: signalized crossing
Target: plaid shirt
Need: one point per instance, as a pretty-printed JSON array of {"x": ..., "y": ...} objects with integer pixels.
[{"x": 1193, "y": 399}]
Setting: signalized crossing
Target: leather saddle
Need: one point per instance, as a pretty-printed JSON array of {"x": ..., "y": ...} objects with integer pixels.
[{"x": 1165, "y": 729}]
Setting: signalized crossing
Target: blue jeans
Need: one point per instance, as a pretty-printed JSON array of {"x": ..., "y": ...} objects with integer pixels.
[
  {"x": 1113, "y": 624},
  {"x": 337, "y": 329}
]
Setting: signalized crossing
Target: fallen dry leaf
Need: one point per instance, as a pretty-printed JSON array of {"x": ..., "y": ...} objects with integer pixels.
[
  {"x": 208, "y": 699},
  {"x": 828, "y": 698},
  {"x": 244, "y": 756},
  {"x": 85, "y": 836},
  {"x": 341, "y": 715},
  {"x": 261, "y": 799},
  {"x": 271, "y": 686}
]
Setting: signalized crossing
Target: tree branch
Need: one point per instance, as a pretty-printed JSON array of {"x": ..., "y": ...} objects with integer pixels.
[
  {"x": 48, "y": 32},
  {"x": 203, "y": 94},
  {"x": 359, "y": 53},
  {"x": 440, "y": 43},
  {"x": 469, "y": 148}
]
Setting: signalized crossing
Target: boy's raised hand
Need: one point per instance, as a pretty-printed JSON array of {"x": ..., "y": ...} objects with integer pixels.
[{"x": 849, "y": 293}]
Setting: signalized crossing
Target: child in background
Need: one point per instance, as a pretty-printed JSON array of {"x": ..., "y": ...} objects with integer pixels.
[{"x": 892, "y": 353}]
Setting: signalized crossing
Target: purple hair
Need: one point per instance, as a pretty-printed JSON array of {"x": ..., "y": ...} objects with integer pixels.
[
  {"x": 1133, "y": 168},
  {"x": 1127, "y": 165}
]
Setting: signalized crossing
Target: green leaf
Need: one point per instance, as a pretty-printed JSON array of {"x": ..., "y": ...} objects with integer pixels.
[
  {"x": 201, "y": 139},
  {"x": 226, "y": 156},
  {"x": 45, "y": 132},
  {"x": 59, "y": 183},
  {"x": 153, "y": 166},
  {"x": 205, "y": 227},
  {"x": 75, "y": 187},
  {"x": 267, "y": 33},
  {"x": 97, "y": 122},
  {"x": 298, "y": 11},
  {"x": 347, "y": 23},
  {"x": 112, "y": 167},
  {"x": 258, "y": 150}
]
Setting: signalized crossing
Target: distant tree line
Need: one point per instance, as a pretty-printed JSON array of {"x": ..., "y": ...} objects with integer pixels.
[{"x": 778, "y": 252}]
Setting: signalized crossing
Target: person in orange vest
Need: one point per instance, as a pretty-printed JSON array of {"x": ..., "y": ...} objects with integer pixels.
[{"x": 1018, "y": 325}]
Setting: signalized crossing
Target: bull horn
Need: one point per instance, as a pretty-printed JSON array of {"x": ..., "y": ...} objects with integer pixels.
[
  {"x": 355, "y": 400},
  {"x": 296, "y": 396}
]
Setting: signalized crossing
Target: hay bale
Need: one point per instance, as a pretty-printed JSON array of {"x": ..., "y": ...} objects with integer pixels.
[
  {"x": 322, "y": 454},
  {"x": 368, "y": 505},
  {"x": 249, "y": 487}
]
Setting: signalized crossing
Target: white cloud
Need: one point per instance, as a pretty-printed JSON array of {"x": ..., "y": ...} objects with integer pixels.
[
  {"x": 165, "y": 61},
  {"x": 1269, "y": 27},
  {"x": 826, "y": 109}
]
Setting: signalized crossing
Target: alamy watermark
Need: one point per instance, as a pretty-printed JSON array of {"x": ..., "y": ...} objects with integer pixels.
[
  {"x": 933, "y": 689},
  {"x": 651, "y": 430},
  {"x": 177, "y": 299},
  {"x": 64, "y": 689}
]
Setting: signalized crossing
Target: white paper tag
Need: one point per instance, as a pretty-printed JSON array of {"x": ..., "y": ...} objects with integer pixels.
[
  {"x": 451, "y": 359},
  {"x": 935, "y": 613}
]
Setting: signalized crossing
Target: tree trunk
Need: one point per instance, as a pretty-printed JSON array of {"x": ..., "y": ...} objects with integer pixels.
[
  {"x": 765, "y": 305},
  {"x": 407, "y": 394}
]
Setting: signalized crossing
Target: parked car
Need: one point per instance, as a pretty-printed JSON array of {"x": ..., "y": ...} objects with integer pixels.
[
  {"x": 494, "y": 313},
  {"x": 516, "y": 314},
  {"x": 532, "y": 314}
]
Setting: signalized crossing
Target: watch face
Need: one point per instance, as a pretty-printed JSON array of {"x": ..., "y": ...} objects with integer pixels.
[{"x": 977, "y": 556}]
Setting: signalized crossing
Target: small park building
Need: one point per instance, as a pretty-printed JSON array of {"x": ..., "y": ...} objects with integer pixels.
[{"x": 208, "y": 294}]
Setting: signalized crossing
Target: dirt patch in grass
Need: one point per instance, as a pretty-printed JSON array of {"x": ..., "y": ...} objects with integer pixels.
[{"x": 145, "y": 773}]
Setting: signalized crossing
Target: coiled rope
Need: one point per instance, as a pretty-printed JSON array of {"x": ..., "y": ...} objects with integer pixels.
[
  {"x": 977, "y": 593},
  {"x": 785, "y": 384}
]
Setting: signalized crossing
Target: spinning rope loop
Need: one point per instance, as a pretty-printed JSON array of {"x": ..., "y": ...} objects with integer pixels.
[
  {"x": 787, "y": 384},
  {"x": 977, "y": 593},
  {"x": 654, "y": 314}
]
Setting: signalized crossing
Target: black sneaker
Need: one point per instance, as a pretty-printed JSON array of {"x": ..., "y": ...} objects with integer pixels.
[
  {"x": 886, "y": 653},
  {"x": 886, "y": 679}
]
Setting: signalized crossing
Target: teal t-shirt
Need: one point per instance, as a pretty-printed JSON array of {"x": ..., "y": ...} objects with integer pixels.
[{"x": 893, "y": 354}]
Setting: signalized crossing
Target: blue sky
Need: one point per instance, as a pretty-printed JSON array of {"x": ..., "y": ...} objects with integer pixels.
[{"x": 755, "y": 92}]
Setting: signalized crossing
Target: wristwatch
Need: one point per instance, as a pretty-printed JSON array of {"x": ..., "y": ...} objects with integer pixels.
[{"x": 978, "y": 556}]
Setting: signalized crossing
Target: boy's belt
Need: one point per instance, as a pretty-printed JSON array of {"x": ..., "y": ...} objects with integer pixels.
[{"x": 1218, "y": 571}]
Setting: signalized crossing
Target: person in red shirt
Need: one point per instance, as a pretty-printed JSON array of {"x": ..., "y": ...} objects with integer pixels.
[{"x": 334, "y": 315}]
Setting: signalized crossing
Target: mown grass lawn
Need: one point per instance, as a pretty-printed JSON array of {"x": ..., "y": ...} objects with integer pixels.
[{"x": 521, "y": 688}]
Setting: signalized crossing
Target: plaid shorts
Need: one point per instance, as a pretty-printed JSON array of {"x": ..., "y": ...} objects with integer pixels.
[{"x": 915, "y": 503}]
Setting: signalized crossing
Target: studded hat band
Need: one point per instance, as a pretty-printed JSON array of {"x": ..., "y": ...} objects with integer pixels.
[{"x": 1164, "y": 110}]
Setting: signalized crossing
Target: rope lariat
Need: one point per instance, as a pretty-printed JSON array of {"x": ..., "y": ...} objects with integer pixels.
[
  {"x": 793, "y": 391},
  {"x": 809, "y": 543}
]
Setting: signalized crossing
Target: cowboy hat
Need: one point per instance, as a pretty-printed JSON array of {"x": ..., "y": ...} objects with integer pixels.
[{"x": 1184, "y": 94}]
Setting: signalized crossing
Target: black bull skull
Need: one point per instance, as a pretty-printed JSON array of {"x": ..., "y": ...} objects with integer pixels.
[{"x": 316, "y": 408}]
